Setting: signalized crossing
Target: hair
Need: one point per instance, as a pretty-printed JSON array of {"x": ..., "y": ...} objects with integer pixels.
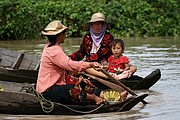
[
  {"x": 52, "y": 38},
  {"x": 117, "y": 41}
]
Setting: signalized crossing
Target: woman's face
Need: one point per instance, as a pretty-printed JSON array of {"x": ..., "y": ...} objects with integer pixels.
[
  {"x": 61, "y": 37},
  {"x": 97, "y": 26}
]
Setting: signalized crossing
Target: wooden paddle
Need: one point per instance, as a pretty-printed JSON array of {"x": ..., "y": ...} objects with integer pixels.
[
  {"x": 120, "y": 84},
  {"x": 107, "y": 83}
]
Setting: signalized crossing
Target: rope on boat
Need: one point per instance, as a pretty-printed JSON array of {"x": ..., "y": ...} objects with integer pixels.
[
  {"x": 82, "y": 112},
  {"x": 46, "y": 105}
]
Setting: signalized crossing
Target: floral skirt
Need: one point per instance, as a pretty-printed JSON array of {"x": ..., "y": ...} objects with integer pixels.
[{"x": 79, "y": 93}]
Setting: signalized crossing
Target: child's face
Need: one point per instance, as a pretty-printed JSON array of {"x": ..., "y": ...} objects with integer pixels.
[{"x": 117, "y": 50}]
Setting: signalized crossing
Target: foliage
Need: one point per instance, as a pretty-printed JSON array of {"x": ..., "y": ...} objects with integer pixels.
[{"x": 25, "y": 19}]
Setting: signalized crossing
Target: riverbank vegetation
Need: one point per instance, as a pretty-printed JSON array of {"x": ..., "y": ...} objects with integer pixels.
[{"x": 25, "y": 19}]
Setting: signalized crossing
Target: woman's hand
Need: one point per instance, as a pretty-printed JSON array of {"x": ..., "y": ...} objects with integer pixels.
[
  {"x": 105, "y": 67},
  {"x": 95, "y": 65}
]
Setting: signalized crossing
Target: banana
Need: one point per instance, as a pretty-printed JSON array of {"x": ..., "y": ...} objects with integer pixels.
[
  {"x": 118, "y": 98},
  {"x": 112, "y": 96},
  {"x": 1, "y": 88},
  {"x": 106, "y": 96},
  {"x": 115, "y": 94}
]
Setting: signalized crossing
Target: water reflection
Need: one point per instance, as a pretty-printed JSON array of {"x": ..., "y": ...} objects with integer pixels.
[
  {"x": 130, "y": 115},
  {"x": 147, "y": 54}
]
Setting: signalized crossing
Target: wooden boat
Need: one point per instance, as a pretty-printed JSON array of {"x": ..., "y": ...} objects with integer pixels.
[
  {"x": 20, "y": 67},
  {"x": 136, "y": 82},
  {"x": 18, "y": 60},
  {"x": 15, "y": 102}
]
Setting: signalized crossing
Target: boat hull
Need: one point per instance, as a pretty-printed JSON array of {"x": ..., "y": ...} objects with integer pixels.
[
  {"x": 135, "y": 82},
  {"x": 26, "y": 103},
  {"x": 30, "y": 76}
]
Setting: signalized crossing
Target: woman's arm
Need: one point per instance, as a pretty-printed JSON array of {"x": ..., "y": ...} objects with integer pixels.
[
  {"x": 127, "y": 66},
  {"x": 81, "y": 52}
]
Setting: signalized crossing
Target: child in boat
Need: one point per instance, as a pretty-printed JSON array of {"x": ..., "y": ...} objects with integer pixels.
[
  {"x": 84, "y": 90},
  {"x": 118, "y": 64}
]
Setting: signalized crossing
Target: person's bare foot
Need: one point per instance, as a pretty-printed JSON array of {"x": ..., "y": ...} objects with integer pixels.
[
  {"x": 124, "y": 95},
  {"x": 98, "y": 100},
  {"x": 130, "y": 74},
  {"x": 124, "y": 74}
]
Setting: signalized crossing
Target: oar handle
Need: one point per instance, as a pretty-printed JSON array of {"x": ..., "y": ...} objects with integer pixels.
[
  {"x": 105, "y": 82},
  {"x": 121, "y": 84}
]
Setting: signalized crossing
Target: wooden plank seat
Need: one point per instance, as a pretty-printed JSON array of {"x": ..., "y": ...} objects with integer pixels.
[{"x": 30, "y": 62}]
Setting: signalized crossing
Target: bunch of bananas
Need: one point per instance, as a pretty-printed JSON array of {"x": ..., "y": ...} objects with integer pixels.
[{"x": 112, "y": 96}]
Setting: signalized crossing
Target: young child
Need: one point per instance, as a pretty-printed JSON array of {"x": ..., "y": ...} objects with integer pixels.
[{"x": 118, "y": 64}]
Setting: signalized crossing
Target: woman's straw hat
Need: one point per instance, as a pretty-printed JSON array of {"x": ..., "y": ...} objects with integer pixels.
[
  {"x": 95, "y": 18},
  {"x": 53, "y": 28}
]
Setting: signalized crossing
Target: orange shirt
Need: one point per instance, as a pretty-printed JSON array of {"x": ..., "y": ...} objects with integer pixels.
[{"x": 54, "y": 63}]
